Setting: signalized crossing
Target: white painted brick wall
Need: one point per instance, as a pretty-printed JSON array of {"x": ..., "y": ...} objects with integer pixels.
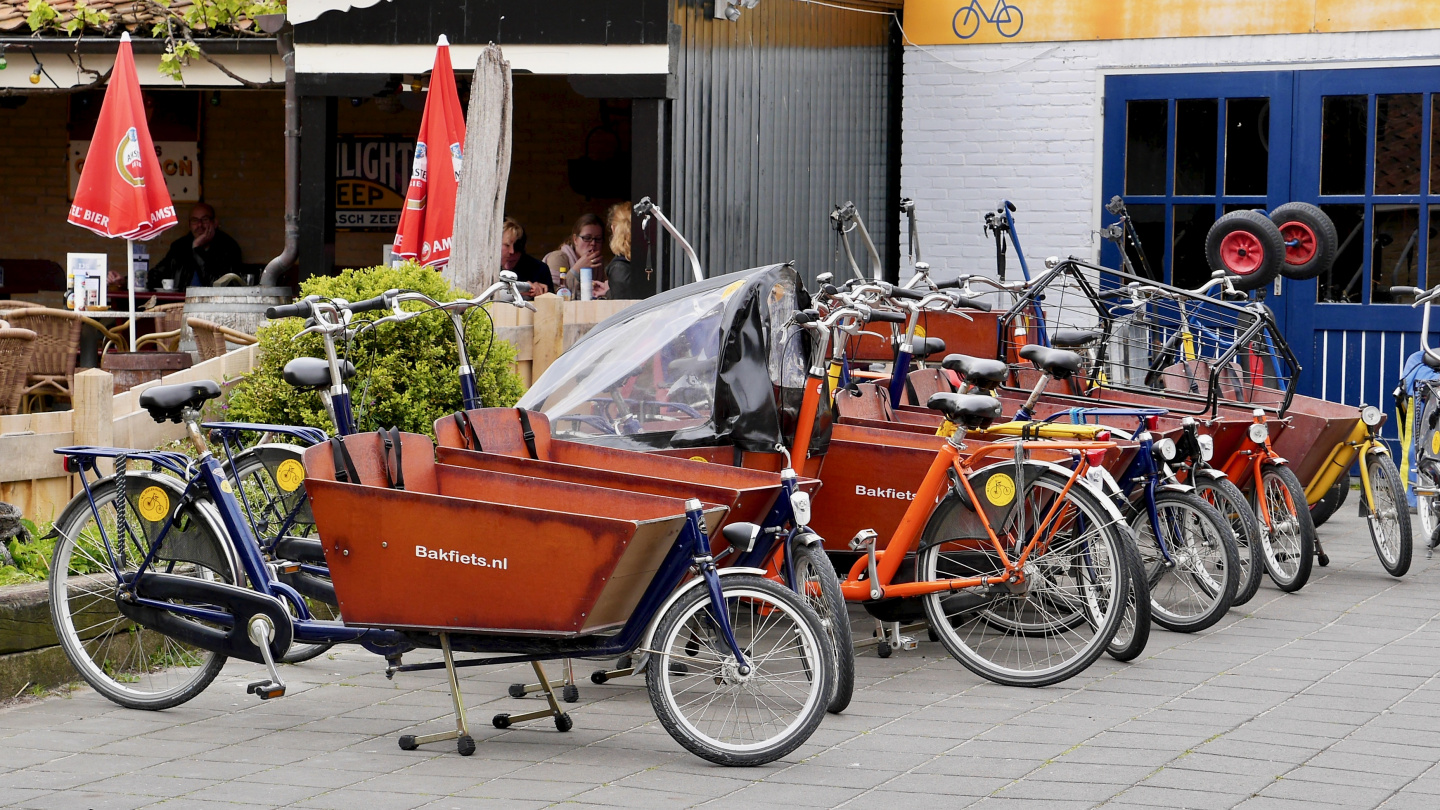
[{"x": 1022, "y": 122}]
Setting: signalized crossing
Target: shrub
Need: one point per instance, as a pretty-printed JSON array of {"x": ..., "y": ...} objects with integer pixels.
[{"x": 406, "y": 374}]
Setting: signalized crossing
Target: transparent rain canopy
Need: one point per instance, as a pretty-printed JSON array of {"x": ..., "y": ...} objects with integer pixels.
[{"x": 707, "y": 363}]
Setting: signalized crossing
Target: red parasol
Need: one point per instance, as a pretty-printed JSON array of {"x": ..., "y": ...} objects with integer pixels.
[
  {"x": 122, "y": 192},
  {"x": 427, "y": 223}
]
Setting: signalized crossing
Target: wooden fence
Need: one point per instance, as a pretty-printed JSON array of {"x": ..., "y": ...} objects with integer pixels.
[{"x": 32, "y": 477}]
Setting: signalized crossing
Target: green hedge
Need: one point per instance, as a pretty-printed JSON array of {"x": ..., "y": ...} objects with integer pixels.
[{"x": 406, "y": 373}]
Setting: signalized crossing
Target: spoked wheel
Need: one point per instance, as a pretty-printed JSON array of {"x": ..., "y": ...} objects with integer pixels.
[
  {"x": 1134, "y": 631},
  {"x": 1230, "y": 502},
  {"x": 815, "y": 579},
  {"x": 1061, "y": 617},
  {"x": 131, "y": 665},
  {"x": 1427, "y": 507},
  {"x": 721, "y": 714},
  {"x": 272, "y": 482},
  {"x": 1330, "y": 502},
  {"x": 1287, "y": 537},
  {"x": 1193, "y": 588},
  {"x": 1388, "y": 516}
]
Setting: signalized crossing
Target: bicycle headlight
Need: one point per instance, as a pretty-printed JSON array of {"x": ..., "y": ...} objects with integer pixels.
[
  {"x": 1370, "y": 415},
  {"x": 1207, "y": 446},
  {"x": 800, "y": 507},
  {"x": 1259, "y": 432},
  {"x": 1165, "y": 448}
]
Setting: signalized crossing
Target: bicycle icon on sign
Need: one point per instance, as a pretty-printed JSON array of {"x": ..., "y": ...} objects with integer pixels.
[{"x": 1008, "y": 19}]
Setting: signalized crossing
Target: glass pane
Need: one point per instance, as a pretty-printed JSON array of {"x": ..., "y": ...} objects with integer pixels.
[
  {"x": 1247, "y": 145},
  {"x": 1432, "y": 248},
  {"x": 1434, "y": 144},
  {"x": 1342, "y": 282},
  {"x": 1342, "y": 145},
  {"x": 1149, "y": 222},
  {"x": 1188, "y": 267},
  {"x": 1145, "y": 123},
  {"x": 1195, "y": 121},
  {"x": 1395, "y": 250},
  {"x": 1399, "y": 127}
]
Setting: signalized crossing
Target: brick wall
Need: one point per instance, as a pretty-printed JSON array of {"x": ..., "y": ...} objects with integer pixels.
[
  {"x": 241, "y": 156},
  {"x": 550, "y": 124},
  {"x": 1023, "y": 122}
]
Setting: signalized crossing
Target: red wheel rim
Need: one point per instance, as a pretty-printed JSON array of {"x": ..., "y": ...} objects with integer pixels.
[
  {"x": 1242, "y": 253},
  {"x": 1300, "y": 244}
]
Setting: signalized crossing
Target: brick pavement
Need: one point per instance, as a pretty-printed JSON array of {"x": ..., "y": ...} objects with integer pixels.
[{"x": 1326, "y": 697}]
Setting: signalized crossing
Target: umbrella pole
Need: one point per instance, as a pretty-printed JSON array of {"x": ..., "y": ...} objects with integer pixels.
[{"x": 130, "y": 275}]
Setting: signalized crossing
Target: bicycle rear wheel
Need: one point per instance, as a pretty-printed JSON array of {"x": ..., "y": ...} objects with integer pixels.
[
  {"x": 1287, "y": 537},
  {"x": 129, "y": 664},
  {"x": 1064, "y": 614},
  {"x": 1134, "y": 631},
  {"x": 720, "y": 714},
  {"x": 1230, "y": 502},
  {"x": 815, "y": 579},
  {"x": 1388, "y": 516},
  {"x": 1194, "y": 588}
]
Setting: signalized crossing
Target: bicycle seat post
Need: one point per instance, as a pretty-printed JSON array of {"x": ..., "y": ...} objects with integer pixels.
[{"x": 191, "y": 416}]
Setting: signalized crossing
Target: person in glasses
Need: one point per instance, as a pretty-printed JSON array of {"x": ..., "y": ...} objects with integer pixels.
[
  {"x": 198, "y": 258},
  {"x": 582, "y": 249}
]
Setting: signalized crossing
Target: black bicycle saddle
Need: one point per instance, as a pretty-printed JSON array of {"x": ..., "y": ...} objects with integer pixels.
[
  {"x": 312, "y": 372},
  {"x": 968, "y": 410},
  {"x": 977, "y": 371},
  {"x": 1058, "y": 363},
  {"x": 925, "y": 347},
  {"x": 170, "y": 401},
  {"x": 1070, "y": 338}
]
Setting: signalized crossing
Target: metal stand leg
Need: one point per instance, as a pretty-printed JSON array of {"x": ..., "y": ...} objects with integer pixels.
[
  {"x": 568, "y": 690},
  {"x": 466, "y": 744},
  {"x": 624, "y": 667},
  {"x": 562, "y": 720}
]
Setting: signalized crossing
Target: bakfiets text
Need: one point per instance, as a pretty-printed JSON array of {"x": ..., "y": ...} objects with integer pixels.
[{"x": 503, "y": 563}]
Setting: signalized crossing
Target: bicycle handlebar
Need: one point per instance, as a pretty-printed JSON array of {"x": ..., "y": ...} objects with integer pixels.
[
  {"x": 299, "y": 309},
  {"x": 381, "y": 301}
]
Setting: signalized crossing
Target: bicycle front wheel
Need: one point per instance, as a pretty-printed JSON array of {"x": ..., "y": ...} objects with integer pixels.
[
  {"x": 1193, "y": 588},
  {"x": 1230, "y": 502},
  {"x": 1134, "y": 631},
  {"x": 815, "y": 579},
  {"x": 1057, "y": 621},
  {"x": 1389, "y": 517},
  {"x": 1287, "y": 537},
  {"x": 705, "y": 702},
  {"x": 129, "y": 664}
]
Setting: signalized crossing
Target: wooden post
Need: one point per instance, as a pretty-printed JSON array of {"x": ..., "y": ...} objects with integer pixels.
[
  {"x": 549, "y": 339},
  {"x": 94, "y": 420}
]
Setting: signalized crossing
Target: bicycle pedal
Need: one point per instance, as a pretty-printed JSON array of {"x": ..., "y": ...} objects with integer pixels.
[
  {"x": 266, "y": 690},
  {"x": 285, "y": 567},
  {"x": 908, "y": 643}
]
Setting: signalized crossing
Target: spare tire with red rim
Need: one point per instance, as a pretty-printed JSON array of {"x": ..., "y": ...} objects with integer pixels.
[
  {"x": 1311, "y": 242},
  {"x": 1247, "y": 246}
]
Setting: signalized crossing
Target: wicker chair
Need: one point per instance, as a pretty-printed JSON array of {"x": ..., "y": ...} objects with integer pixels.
[
  {"x": 10, "y": 303},
  {"x": 17, "y": 347},
  {"x": 210, "y": 337},
  {"x": 57, "y": 346},
  {"x": 168, "y": 329}
]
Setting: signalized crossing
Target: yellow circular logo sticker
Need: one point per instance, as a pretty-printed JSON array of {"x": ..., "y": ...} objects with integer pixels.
[
  {"x": 1000, "y": 489},
  {"x": 290, "y": 475},
  {"x": 154, "y": 504},
  {"x": 1435, "y": 442},
  {"x": 700, "y": 459},
  {"x": 225, "y": 486}
]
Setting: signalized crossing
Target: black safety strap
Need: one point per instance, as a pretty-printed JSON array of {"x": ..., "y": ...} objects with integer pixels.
[
  {"x": 528, "y": 433},
  {"x": 467, "y": 431},
  {"x": 345, "y": 471},
  {"x": 910, "y": 391},
  {"x": 394, "y": 471}
]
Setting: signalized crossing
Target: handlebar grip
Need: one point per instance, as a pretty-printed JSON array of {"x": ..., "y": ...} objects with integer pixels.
[
  {"x": 381, "y": 301},
  {"x": 299, "y": 309},
  {"x": 948, "y": 283},
  {"x": 882, "y": 316},
  {"x": 807, "y": 316},
  {"x": 522, "y": 286},
  {"x": 897, "y": 291},
  {"x": 970, "y": 303},
  {"x": 1405, "y": 291}
]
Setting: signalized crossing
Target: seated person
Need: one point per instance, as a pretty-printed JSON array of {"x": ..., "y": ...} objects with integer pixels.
[
  {"x": 525, "y": 267},
  {"x": 200, "y": 257},
  {"x": 582, "y": 249},
  {"x": 626, "y": 282}
]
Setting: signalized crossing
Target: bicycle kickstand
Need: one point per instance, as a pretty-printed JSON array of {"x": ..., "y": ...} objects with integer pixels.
[
  {"x": 563, "y": 722},
  {"x": 466, "y": 743},
  {"x": 569, "y": 692}
]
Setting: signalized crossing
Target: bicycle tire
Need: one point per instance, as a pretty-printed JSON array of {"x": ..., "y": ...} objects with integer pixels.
[
  {"x": 139, "y": 677},
  {"x": 1287, "y": 540},
  {"x": 1258, "y": 264},
  {"x": 1330, "y": 502},
  {"x": 1232, "y": 505},
  {"x": 1134, "y": 631},
  {"x": 1388, "y": 516},
  {"x": 744, "y": 594},
  {"x": 1197, "y": 591},
  {"x": 270, "y": 505},
  {"x": 818, "y": 583},
  {"x": 1319, "y": 242},
  {"x": 1045, "y": 610}
]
